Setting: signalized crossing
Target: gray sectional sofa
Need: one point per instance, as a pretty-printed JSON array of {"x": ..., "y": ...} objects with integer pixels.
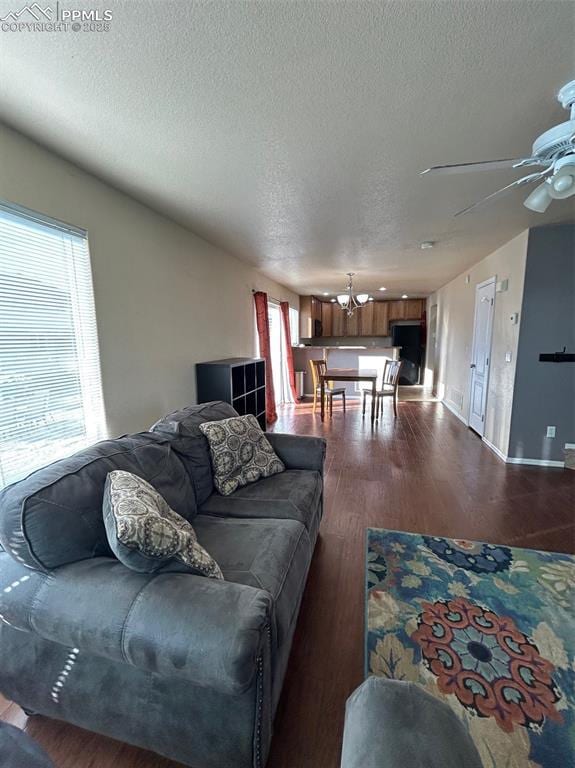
[{"x": 186, "y": 666}]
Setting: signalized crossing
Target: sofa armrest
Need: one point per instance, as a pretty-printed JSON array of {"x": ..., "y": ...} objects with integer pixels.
[
  {"x": 299, "y": 452},
  {"x": 395, "y": 723},
  {"x": 208, "y": 631}
]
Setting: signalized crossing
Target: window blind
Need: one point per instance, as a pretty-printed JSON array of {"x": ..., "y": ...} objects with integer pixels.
[{"x": 51, "y": 401}]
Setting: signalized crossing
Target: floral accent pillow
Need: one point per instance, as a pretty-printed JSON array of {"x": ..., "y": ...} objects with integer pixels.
[
  {"x": 146, "y": 534},
  {"x": 240, "y": 452}
]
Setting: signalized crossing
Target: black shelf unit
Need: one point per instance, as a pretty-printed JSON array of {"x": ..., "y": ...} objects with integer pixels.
[{"x": 240, "y": 381}]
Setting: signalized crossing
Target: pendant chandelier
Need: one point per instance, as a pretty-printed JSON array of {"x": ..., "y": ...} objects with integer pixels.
[{"x": 347, "y": 301}]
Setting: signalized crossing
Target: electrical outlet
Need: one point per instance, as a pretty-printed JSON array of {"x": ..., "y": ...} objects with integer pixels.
[{"x": 550, "y": 432}]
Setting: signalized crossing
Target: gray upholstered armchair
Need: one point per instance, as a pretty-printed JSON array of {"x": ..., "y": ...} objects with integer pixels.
[
  {"x": 398, "y": 724},
  {"x": 186, "y": 666}
]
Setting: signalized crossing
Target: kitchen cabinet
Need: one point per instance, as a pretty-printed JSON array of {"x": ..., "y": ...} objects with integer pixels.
[
  {"x": 338, "y": 325},
  {"x": 366, "y": 315},
  {"x": 375, "y": 318},
  {"x": 406, "y": 309},
  {"x": 397, "y": 310},
  {"x": 414, "y": 309},
  {"x": 327, "y": 310},
  {"x": 310, "y": 315},
  {"x": 351, "y": 324},
  {"x": 381, "y": 318}
]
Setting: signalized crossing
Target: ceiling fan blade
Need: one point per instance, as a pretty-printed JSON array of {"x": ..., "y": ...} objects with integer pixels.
[
  {"x": 505, "y": 190},
  {"x": 487, "y": 165}
]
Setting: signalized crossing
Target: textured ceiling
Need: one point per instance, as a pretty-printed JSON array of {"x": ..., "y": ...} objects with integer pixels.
[{"x": 292, "y": 133}]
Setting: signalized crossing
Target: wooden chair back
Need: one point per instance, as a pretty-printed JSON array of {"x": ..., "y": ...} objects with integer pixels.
[
  {"x": 391, "y": 373},
  {"x": 317, "y": 368}
]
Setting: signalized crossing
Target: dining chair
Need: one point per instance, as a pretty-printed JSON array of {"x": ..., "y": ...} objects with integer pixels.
[
  {"x": 319, "y": 367},
  {"x": 388, "y": 388}
]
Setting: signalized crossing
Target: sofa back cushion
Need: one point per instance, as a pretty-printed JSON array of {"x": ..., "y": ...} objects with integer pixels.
[
  {"x": 54, "y": 516},
  {"x": 191, "y": 444}
]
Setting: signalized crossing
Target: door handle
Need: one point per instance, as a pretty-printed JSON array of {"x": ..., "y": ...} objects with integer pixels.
[{"x": 472, "y": 365}]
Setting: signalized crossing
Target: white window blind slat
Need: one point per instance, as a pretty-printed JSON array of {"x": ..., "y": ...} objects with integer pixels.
[{"x": 51, "y": 402}]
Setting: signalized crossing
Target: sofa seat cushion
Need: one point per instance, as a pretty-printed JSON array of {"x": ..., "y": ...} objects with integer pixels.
[
  {"x": 273, "y": 555},
  {"x": 292, "y": 495}
]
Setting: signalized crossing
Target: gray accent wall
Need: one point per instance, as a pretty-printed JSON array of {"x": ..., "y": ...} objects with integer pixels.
[{"x": 544, "y": 393}]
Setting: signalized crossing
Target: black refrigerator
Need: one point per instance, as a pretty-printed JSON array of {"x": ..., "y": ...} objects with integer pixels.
[{"x": 408, "y": 337}]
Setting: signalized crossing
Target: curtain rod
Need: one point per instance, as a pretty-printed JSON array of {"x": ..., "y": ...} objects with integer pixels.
[{"x": 273, "y": 298}]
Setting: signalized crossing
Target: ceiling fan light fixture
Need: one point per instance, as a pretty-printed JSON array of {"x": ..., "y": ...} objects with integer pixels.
[
  {"x": 553, "y": 151},
  {"x": 540, "y": 199},
  {"x": 562, "y": 182}
]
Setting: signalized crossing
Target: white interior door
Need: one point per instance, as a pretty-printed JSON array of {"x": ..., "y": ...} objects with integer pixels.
[{"x": 481, "y": 353}]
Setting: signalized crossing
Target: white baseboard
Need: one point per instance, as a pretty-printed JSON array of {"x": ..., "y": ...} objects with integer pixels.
[
  {"x": 454, "y": 412},
  {"x": 518, "y": 460},
  {"x": 535, "y": 462},
  {"x": 495, "y": 450}
]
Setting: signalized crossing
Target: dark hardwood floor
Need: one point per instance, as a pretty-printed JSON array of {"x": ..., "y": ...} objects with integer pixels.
[{"x": 424, "y": 472}]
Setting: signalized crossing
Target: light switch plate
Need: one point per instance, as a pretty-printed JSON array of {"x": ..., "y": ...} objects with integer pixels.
[
  {"x": 508, "y": 357},
  {"x": 550, "y": 432}
]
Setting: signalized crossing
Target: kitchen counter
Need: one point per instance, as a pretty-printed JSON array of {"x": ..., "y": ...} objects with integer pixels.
[{"x": 344, "y": 346}]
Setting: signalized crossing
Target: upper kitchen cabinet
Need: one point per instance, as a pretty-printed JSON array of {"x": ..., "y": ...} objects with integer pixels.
[
  {"x": 414, "y": 309},
  {"x": 310, "y": 317},
  {"x": 352, "y": 323},
  {"x": 327, "y": 310},
  {"x": 406, "y": 309},
  {"x": 338, "y": 325},
  {"x": 366, "y": 318},
  {"x": 381, "y": 318},
  {"x": 397, "y": 310},
  {"x": 324, "y": 318}
]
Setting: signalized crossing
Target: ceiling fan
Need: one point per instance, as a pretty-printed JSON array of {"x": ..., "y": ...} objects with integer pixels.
[{"x": 553, "y": 151}]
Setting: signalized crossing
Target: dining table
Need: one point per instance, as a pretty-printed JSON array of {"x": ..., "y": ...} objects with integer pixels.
[{"x": 349, "y": 374}]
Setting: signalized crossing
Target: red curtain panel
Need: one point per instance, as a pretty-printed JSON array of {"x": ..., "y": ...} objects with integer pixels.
[
  {"x": 263, "y": 326},
  {"x": 284, "y": 308}
]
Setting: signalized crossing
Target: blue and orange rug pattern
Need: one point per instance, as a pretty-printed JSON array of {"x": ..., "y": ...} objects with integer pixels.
[{"x": 489, "y": 629}]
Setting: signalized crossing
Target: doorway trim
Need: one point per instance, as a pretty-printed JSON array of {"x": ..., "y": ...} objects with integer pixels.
[{"x": 478, "y": 287}]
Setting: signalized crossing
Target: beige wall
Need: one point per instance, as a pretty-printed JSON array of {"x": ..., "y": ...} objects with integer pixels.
[
  {"x": 455, "y": 309},
  {"x": 165, "y": 299}
]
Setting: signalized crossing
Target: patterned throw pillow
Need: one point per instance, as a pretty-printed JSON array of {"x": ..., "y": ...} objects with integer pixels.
[
  {"x": 146, "y": 534},
  {"x": 240, "y": 452}
]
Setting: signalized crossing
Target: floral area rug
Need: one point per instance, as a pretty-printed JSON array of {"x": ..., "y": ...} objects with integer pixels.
[{"x": 489, "y": 629}]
